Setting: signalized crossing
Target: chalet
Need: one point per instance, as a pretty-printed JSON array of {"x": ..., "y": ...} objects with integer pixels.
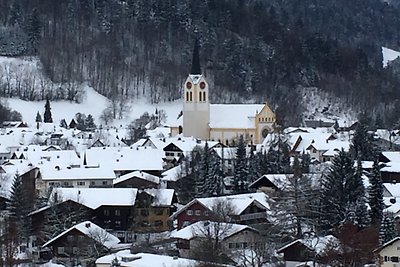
[
  {"x": 266, "y": 183},
  {"x": 81, "y": 242},
  {"x": 112, "y": 207},
  {"x": 152, "y": 210},
  {"x": 137, "y": 179},
  {"x": 245, "y": 209},
  {"x": 389, "y": 253},
  {"x": 40, "y": 217},
  {"x": 305, "y": 250},
  {"x": 391, "y": 170},
  {"x": 232, "y": 237}
]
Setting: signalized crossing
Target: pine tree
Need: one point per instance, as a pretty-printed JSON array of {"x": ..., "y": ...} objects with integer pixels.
[
  {"x": 89, "y": 123},
  {"x": 388, "y": 230},
  {"x": 363, "y": 143},
  {"x": 47, "y": 112},
  {"x": 375, "y": 198},
  {"x": 343, "y": 194},
  {"x": 18, "y": 207},
  {"x": 38, "y": 117},
  {"x": 240, "y": 176},
  {"x": 33, "y": 30}
]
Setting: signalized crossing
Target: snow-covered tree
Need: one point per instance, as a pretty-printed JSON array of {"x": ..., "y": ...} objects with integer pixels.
[
  {"x": 240, "y": 176},
  {"x": 38, "y": 117},
  {"x": 343, "y": 194},
  {"x": 18, "y": 208},
  {"x": 362, "y": 145},
  {"x": 387, "y": 230},
  {"x": 375, "y": 195}
]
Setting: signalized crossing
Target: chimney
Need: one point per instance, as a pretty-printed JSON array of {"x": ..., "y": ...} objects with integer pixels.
[{"x": 87, "y": 225}]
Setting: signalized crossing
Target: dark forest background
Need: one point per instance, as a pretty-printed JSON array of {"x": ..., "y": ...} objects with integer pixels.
[{"x": 250, "y": 50}]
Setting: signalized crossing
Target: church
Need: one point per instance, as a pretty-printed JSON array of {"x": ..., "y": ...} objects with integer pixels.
[{"x": 219, "y": 122}]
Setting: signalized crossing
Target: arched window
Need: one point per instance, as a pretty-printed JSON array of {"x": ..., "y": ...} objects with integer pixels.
[
  {"x": 204, "y": 96},
  {"x": 191, "y": 99},
  {"x": 187, "y": 96}
]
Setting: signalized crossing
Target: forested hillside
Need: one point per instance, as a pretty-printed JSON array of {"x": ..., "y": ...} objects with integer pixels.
[{"x": 257, "y": 50}]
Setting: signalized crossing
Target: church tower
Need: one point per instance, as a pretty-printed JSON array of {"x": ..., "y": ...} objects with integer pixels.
[{"x": 196, "y": 108}]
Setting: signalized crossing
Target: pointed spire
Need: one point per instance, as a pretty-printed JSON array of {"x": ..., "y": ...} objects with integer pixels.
[{"x": 196, "y": 59}]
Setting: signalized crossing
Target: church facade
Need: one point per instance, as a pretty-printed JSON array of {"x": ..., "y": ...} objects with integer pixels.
[{"x": 219, "y": 122}]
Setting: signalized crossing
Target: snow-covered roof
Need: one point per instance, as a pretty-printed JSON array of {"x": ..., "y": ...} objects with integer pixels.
[
  {"x": 93, "y": 231},
  {"x": 388, "y": 55},
  {"x": 173, "y": 174},
  {"x": 138, "y": 174},
  {"x": 126, "y": 158},
  {"x": 126, "y": 259},
  {"x": 96, "y": 197},
  {"x": 393, "y": 189},
  {"x": 318, "y": 244},
  {"x": 51, "y": 173},
  {"x": 238, "y": 202},
  {"x": 226, "y": 152},
  {"x": 162, "y": 197},
  {"x": 234, "y": 115},
  {"x": 205, "y": 228},
  {"x": 392, "y": 156}
]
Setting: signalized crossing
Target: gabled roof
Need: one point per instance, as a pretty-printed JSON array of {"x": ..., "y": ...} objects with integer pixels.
[
  {"x": 317, "y": 244},
  {"x": 238, "y": 202},
  {"x": 137, "y": 174},
  {"x": 202, "y": 228},
  {"x": 92, "y": 231},
  {"x": 388, "y": 243},
  {"x": 97, "y": 197},
  {"x": 162, "y": 197}
]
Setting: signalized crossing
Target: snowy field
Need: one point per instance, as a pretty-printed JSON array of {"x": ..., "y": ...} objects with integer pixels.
[{"x": 93, "y": 103}]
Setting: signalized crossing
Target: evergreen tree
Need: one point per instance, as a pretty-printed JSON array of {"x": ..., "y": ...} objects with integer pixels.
[
  {"x": 47, "y": 112},
  {"x": 38, "y": 117},
  {"x": 343, "y": 194},
  {"x": 363, "y": 143},
  {"x": 33, "y": 30},
  {"x": 305, "y": 163},
  {"x": 80, "y": 121},
  {"x": 388, "y": 230},
  {"x": 89, "y": 123},
  {"x": 375, "y": 198},
  {"x": 240, "y": 176},
  {"x": 18, "y": 207}
]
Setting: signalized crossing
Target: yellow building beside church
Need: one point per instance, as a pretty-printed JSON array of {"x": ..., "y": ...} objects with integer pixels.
[{"x": 219, "y": 122}]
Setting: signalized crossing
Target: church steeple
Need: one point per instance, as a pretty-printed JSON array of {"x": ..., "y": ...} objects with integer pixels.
[{"x": 196, "y": 70}]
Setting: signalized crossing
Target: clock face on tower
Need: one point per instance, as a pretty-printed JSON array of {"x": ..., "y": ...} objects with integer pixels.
[
  {"x": 202, "y": 85},
  {"x": 189, "y": 85}
]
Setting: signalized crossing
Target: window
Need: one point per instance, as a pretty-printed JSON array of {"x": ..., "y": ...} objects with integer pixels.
[
  {"x": 75, "y": 250},
  {"x": 92, "y": 182},
  {"x": 60, "y": 250},
  {"x": 105, "y": 183},
  {"x": 190, "y": 94},
  {"x": 230, "y": 245},
  {"x": 81, "y": 183},
  {"x": 158, "y": 223},
  {"x": 106, "y": 212},
  {"x": 185, "y": 223},
  {"x": 70, "y": 238},
  {"x": 386, "y": 258},
  {"x": 206, "y": 213},
  {"x": 117, "y": 213},
  {"x": 198, "y": 212},
  {"x": 394, "y": 259},
  {"x": 159, "y": 211},
  {"x": 144, "y": 212},
  {"x": 117, "y": 224},
  {"x": 189, "y": 212}
]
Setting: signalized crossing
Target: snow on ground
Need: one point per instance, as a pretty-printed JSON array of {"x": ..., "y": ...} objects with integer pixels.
[
  {"x": 320, "y": 106},
  {"x": 93, "y": 103},
  {"x": 388, "y": 55}
]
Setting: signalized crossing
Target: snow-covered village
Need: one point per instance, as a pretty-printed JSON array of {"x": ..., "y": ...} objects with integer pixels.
[{"x": 199, "y": 133}]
